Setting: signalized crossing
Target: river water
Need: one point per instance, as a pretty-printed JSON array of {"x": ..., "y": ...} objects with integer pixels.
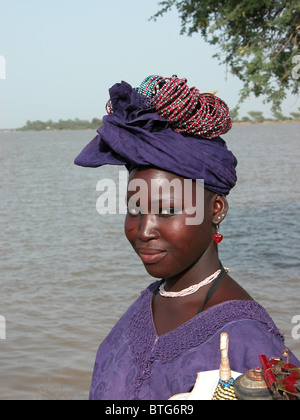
[{"x": 68, "y": 274}]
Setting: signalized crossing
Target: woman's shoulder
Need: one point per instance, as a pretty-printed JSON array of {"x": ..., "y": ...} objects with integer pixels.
[
  {"x": 251, "y": 332},
  {"x": 229, "y": 290},
  {"x": 236, "y": 310}
]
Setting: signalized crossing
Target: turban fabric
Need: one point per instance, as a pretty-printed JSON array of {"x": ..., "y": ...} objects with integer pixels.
[{"x": 135, "y": 135}]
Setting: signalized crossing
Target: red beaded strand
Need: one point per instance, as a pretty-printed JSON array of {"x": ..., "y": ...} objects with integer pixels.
[{"x": 187, "y": 110}]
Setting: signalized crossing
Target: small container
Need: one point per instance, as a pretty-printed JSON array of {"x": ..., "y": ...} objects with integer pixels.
[{"x": 252, "y": 386}]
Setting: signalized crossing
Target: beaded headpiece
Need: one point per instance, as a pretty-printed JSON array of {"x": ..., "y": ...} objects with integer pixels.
[
  {"x": 187, "y": 110},
  {"x": 165, "y": 124}
]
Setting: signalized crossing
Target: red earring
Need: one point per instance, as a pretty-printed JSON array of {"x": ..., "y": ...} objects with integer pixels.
[{"x": 218, "y": 237}]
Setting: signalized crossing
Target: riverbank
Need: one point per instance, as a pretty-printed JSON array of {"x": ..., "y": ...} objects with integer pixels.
[
  {"x": 266, "y": 122},
  {"x": 94, "y": 129}
]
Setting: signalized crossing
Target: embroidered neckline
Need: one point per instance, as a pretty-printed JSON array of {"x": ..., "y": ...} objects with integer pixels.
[{"x": 147, "y": 346}]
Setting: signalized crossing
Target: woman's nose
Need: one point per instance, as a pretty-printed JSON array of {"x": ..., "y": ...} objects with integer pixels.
[{"x": 147, "y": 227}]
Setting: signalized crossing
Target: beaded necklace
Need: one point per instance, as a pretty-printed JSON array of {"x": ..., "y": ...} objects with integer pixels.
[{"x": 190, "y": 290}]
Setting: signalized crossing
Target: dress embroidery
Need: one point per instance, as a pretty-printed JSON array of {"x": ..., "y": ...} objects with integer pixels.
[{"x": 147, "y": 347}]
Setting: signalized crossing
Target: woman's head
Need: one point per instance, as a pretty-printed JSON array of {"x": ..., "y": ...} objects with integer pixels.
[
  {"x": 164, "y": 124},
  {"x": 158, "y": 224},
  {"x": 169, "y": 126}
]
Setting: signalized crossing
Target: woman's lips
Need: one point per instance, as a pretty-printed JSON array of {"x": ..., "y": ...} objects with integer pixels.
[{"x": 151, "y": 256}]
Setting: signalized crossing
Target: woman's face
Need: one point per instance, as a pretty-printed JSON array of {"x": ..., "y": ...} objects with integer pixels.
[{"x": 157, "y": 223}]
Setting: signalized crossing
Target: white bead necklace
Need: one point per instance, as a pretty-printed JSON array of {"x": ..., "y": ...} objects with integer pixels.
[{"x": 190, "y": 290}]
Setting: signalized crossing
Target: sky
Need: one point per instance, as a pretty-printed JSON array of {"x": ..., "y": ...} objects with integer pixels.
[{"x": 62, "y": 56}]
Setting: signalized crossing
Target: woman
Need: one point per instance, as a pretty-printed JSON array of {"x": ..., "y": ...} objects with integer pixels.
[{"x": 168, "y": 134}]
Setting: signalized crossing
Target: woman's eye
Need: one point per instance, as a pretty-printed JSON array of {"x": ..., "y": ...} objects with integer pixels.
[
  {"x": 168, "y": 212},
  {"x": 133, "y": 211},
  {"x": 165, "y": 212}
]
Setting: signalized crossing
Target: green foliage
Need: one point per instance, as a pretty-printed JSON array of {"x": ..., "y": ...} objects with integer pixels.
[
  {"x": 257, "y": 116},
  {"x": 296, "y": 115},
  {"x": 234, "y": 113},
  {"x": 258, "y": 40},
  {"x": 246, "y": 119},
  {"x": 279, "y": 116},
  {"x": 76, "y": 124}
]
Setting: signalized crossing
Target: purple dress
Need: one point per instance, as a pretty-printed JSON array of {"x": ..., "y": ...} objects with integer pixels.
[{"x": 134, "y": 363}]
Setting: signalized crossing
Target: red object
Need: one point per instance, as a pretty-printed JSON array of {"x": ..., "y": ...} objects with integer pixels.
[
  {"x": 268, "y": 373},
  {"x": 189, "y": 111},
  {"x": 218, "y": 238},
  {"x": 287, "y": 384}
]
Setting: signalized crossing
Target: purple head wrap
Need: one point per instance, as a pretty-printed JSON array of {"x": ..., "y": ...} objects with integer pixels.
[{"x": 135, "y": 135}]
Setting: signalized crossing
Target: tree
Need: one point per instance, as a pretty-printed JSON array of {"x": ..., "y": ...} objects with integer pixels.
[
  {"x": 234, "y": 113},
  {"x": 257, "y": 116},
  {"x": 279, "y": 116},
  {"x": 246, "y": 119},
  {"x": 258, "y": 40},
  {"x": 76, "y": 124},
  {"x": 296, "y": 115},
  {"x": 96, "y": 122}
]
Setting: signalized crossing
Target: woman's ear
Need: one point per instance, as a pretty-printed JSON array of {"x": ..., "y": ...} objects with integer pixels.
[{"x": 220, "y": 209}]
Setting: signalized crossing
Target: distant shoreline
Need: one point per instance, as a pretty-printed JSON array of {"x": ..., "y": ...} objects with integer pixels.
[
  {"x": 267, "y": 122},
  {"x": 3, "y": 130},
  {"x": 17, "y": 130}
]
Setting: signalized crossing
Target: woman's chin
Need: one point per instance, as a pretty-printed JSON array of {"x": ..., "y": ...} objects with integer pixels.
[{"x": 156, "y": 272}]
